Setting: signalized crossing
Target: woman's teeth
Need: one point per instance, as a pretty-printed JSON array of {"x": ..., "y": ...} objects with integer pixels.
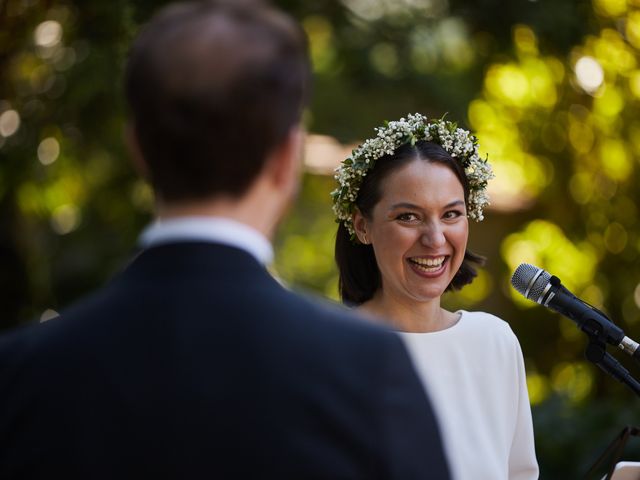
[{"x": 428, "y": 264}]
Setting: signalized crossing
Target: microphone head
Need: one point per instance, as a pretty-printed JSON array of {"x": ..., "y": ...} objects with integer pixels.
[{"x": 530, "y": 281}]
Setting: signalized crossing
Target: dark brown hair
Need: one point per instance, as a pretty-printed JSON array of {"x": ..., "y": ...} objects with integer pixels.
[
  {"x": 213, "y": 88},
  {"x": 359, "y": 273}
]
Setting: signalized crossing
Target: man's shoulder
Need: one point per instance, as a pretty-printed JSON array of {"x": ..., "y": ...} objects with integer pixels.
[
  {"x": 64, "y": 334},
  {"x": 322, "y": 335},
  {"x": 17, "y": 344},
  {"x": 316, "y": 315},
  {"x": 267, "y": 310}
]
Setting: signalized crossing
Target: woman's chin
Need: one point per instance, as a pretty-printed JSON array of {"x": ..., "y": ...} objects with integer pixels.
[
  {"x": 423, "y": 293},
  {"x": 429, "y": 283}
]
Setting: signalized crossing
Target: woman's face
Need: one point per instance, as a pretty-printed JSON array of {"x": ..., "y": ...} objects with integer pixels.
[{"x": 418, "y": 230}]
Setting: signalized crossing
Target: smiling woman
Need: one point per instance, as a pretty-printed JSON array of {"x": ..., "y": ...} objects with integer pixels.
[
  {"x": 418, "y": 228},
  {"x": 404, "y": 200}
]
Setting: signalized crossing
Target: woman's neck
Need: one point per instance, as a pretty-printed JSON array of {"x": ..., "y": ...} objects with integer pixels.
[{"x": 408, "y": 315}]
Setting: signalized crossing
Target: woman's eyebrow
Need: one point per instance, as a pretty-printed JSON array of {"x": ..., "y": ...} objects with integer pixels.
[
  {"x": 412, "y": 206},
  {"x": 455, "y": 203},
  {"x": 404, "y": 205}
]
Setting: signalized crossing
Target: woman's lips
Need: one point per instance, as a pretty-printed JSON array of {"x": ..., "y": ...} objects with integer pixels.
[{"x": 428, "y": 267}]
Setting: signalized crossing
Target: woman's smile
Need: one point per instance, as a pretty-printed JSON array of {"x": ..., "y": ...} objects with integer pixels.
[{"x": 428, "y": 267}]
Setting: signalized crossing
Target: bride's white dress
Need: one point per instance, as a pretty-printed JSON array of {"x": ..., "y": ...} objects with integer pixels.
[{"x": 475, "y": 376}]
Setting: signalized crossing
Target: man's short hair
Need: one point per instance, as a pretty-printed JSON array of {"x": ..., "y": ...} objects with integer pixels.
[{"x": 214, "y": 87}]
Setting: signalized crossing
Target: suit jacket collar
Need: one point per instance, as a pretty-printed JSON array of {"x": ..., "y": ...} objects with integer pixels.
[
  {"x": 192, "y": 257},
  {"x": 208, "y": 229}
]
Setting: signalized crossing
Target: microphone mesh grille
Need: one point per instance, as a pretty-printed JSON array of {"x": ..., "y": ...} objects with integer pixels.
[
  {"x": 538, "y": 286},
  {"x": 522, "y": 278}
]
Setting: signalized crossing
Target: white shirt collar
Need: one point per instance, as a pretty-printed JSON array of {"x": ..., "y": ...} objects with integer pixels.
[{"x": 209, "y": 229}]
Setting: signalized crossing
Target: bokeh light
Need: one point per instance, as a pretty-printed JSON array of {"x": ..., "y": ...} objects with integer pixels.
[
  {"x": 616, "y": 161},
  {"x": 48, "y": 151},
  {"x": 538, "y": 387},
  {"x": 48, "y": 314},
  {"x": 636, "y": 295},
  {"x": 609, "y": 103},
  {"x": 384, "y": 58},
  {"x": 610, "y": 8},
  {"x": 632, "y": 28},
  {"x": 323, "y": 154},
  {"x": 509, "y": 84},
  {"x": 321, "y": 43},
  {"x": 589, "y": 74},
  {"x": 48, "y": 34},
  {"x": 472, "y": 294},
  {"x": 9, "y": 123},
  {"x": 65, "y": 219},
  {"x": 572, "y": 379},
  {"x": 372, "y": 10},
  {"x": 544, "y": 244},
  {"x": 520, "y": 176},
  {"x": 454, "y": 43}
]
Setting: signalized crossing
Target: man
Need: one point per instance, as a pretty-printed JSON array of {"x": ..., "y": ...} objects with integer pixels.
[{"x": 194, "y": 362}]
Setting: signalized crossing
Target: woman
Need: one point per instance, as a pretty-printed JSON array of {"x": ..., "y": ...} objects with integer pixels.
[{"x": 403, "y": 204}]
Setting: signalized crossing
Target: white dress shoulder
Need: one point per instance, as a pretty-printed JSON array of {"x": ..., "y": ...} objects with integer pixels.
[{"x": 474, "y": 373}]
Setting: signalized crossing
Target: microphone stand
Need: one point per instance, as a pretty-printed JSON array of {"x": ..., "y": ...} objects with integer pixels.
[
  {"x": 596, "y": 353},
  {"x": 615, "y": 449}
]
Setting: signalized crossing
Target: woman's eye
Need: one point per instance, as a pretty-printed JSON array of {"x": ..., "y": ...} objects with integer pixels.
[
  {"x": 453, "y": 214},
  {"x": 407, "y": 217}
]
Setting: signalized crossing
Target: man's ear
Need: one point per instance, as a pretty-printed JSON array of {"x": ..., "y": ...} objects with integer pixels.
[
  {"x": 360, "y": 225},
  {"x": 286, "y": 160},
  {"x": 133, "y": 147}
]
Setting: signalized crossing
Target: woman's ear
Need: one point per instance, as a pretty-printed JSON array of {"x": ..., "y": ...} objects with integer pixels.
[{"x": 360, "y": 225}]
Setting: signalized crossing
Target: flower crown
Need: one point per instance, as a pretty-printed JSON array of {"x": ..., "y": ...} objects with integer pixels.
[{"x": 459, "y": 143}]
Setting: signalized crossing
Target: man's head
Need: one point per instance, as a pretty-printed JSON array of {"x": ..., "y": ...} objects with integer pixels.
[{"x": 214, "y": 87}]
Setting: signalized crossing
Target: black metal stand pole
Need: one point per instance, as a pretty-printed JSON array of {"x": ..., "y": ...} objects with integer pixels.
[
  {"x": 597, "y": 354},
  {"x": 614, "y": 450}
]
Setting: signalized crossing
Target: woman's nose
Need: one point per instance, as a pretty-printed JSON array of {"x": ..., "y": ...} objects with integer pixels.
[{"x": 433, "y": 236}]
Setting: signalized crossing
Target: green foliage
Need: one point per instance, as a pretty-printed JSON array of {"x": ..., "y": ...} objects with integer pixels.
[{"x": 306, "y": 239}]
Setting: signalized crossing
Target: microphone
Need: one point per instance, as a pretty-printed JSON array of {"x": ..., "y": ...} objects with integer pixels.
[{"x": 539, "y": 286}]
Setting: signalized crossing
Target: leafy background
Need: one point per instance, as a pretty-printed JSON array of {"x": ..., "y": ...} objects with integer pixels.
[{"x": 551, "y": 88}]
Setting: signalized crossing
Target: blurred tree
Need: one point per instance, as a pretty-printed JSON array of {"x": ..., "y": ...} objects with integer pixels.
[{"x": 60, "y": 122}]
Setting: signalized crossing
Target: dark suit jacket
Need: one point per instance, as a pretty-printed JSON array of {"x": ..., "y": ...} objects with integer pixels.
[{"x": 196, "y": 363}]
